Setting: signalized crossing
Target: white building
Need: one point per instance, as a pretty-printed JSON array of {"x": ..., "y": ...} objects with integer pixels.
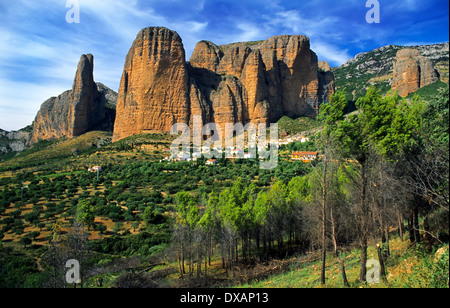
[{"x": 95, "y": 169}]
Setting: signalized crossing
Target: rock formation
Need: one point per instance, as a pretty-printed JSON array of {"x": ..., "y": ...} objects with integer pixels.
[
  {"x": 376, "y": 68},
  {"x": 14, "y": 141},
  {"x": 412, "y": 71},
  {"x": 154, "y": 89},
  {"x": 73, "y": 112},
  {"x": 255, "y": 82}
]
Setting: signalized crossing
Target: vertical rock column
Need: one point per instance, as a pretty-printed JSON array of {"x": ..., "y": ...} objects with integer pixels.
[
  {"x": 154, "y": 91},
  {"x": 74, "y": 112}
]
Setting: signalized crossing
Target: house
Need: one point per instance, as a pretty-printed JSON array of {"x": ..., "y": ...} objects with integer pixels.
[
  {"x": 248, "y": 155},
  {"x": 211, "y": 162},
  {"x": 304, "y": 156},
  {"x": 304, "y": 139},
  {"x": 196, "y": 156},
  {"x": 95, "y": 169},
  {"x": 182, "y": 157}
]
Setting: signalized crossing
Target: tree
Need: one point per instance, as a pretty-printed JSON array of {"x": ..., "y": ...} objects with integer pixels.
[
  {"x": 298, "y": 196},
  {"x": 33, "y": 235},
  {"x": 278, "y": 210},
  {"x": 331, "y": 115},
  {"x": 337, "y": 203},
  {"x": 382, "y": 125},
  {"x": 426, "y": 170},
  {"x": 25, "y": 241},
  {"x": 85, "y": 213},
  {"x": 261, "y": 211},
  {"x": 186, "y": 222},
  {"x": 209, "y": 224}
]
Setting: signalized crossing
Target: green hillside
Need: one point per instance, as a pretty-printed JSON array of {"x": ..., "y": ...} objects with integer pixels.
[
  {"x": 142, "y": 221},
  {"x": 429, "y": 91},
  {"x": 375, "y": 68}
]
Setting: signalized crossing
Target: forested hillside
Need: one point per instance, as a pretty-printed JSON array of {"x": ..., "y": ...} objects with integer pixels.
[{"x": 382, "y": 176}]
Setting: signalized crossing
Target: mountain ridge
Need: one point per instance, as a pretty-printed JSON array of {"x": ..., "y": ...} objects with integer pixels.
[{"x": 375, "y": 68}]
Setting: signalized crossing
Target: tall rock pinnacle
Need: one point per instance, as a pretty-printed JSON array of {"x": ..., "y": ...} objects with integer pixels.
[
  {"x": 154, "y": 92},
  {"x": 74, "y": 112}
]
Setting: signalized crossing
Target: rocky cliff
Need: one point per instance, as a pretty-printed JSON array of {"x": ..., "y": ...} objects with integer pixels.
[
  {"x": 15, "y": 141},
  {"x": 376, "y": 68},
  {"x": 412, "y": 71},
  {"x": 244, "y": 82},
  {"x": 154, "y": 89},
  {"x": 75, "y": 111}
]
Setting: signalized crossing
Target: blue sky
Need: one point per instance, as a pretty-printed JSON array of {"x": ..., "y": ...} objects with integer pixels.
[{"x": 39, "y": 50}]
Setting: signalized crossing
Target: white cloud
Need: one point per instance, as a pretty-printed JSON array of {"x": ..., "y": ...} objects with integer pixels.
[
  {"x": 249, "y": 32},
  {"x": 332, "y": 54},
  {"x": 317, "y": 29},
  {"x": 20, "y": 101}
]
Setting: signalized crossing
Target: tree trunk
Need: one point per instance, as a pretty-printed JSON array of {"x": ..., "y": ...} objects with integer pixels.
[
  {"x": 382, "y": 267},
  {"x": 412, "y": 234},
  {"x": 324, "y": 202},
  {"x": 400, "y": 225},
  {"x": 336, "y": 250},
  {"x": 416, "y": 224},
  {"x": 428, "y": 237},
  {"x": 236, "y": 247},
  {"x": 182, "y": 259},
  {"x": 387, "y": 252},
  {"x": 364, "y": 223},
  {"x": 210, "y": 250}
]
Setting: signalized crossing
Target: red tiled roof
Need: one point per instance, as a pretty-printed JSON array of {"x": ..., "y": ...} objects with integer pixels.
[{"x": 304, "y": 153}]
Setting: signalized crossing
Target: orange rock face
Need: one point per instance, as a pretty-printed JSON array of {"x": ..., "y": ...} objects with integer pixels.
[
  {"x": 412, "y": 71},
  {"x": 74, "y": 112},
  {"x": 154, "y": 91},
  {"x": 255, "y": 82}
]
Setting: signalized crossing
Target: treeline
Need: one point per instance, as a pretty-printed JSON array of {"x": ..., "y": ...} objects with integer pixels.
[
  {"x": 383, "y": 169},
  {"x": 239, "y": 218}
]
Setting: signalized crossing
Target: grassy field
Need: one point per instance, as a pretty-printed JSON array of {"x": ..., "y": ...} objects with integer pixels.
[
  {"x": 404, "y": 270},
  {"x": 407, "y": 267}
]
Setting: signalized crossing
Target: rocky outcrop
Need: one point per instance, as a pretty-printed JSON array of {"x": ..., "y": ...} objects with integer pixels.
[
  {"x": 327, "y": 85},
  {"x": 243, "y": 82},
  {"x": 73, "y": 112},
  {"x": 52, "y": 120},
  {"x": 14, "y": 141},
  {"x": 279, "y": 76},
  {"x": 154, "y": 89},
  {"x": 292, "y": 73},
  {"x": 412, "y": 71},
  {"x": 376, "y": 68}
]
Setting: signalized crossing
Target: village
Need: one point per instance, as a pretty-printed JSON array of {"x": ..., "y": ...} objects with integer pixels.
[
  {"x": 233, "y": 152},
  {"x": 213, "y": 154}
]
